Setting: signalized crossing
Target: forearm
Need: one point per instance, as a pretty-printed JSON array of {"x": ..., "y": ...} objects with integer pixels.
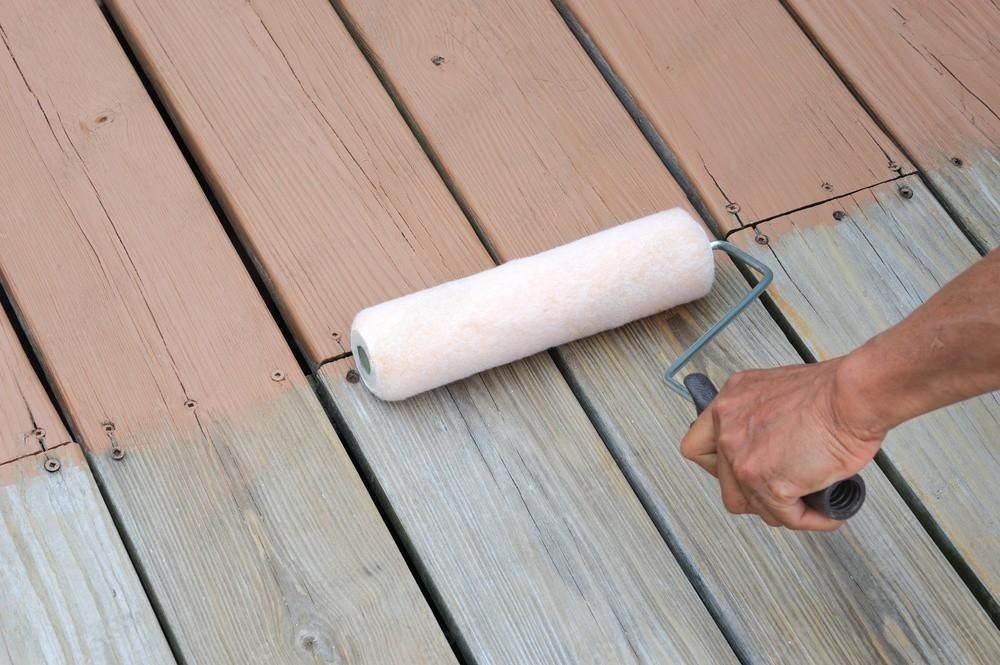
[{"x": 945, "y": 351}]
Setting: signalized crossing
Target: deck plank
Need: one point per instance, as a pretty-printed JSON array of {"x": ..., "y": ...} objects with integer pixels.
[
  {"x": 28, "y": 422},
  {"x": 68, "y": 591},
  {"x": 840, "y": 283},
  {"x": 752, "y": 112},
  {"x": 929, "y": 71},
  {"x": 67, "y": 588},
  {"x": 256, "y": 536},
  {"x": 541, "y": 152},
  {"x": 500, "y": 483}
]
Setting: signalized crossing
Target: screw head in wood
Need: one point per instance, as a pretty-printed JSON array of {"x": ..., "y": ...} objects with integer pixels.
[
  {"x": 839, "y": 215},
  {"x": 117, "y": 454},
  {"x": 827, "y": 187},
  {"x": 190, "y": 403},
  {"x": 52, "y": 465},
  {"x": 437, "y": 60},
  {"x": 906, "y": 192},
  {"x": 893, "y": 166},
  {"x": 733, "y": 208},
  {"x": 353, "y": 376},
  {"x": 109, "y": 427},
  {"x": 335, "y": 336},
  {"x": 38, "y": 433},
  {"x": 957, "y": 161},
  {"x": 277, "y": 376},
  {"x": 761, "y": 239}
]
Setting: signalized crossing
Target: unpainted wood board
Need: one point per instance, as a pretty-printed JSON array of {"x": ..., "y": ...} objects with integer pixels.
[
  {"x": 877, "y": 590},
  {"x": 840, "y": 283},
  {"x": 28, "y": 421},
  {"x": 520, "y": 92},
  {"x": 68, "y": 591},
  {"x": 930, "y": 71},
  {"x": 499, "y": 489},
  {"x": 752, "y": 112},
  {"x": 323, "y": 180},
  {"x": 650, "y": 612},
  {"x": 257, "y": 539}
]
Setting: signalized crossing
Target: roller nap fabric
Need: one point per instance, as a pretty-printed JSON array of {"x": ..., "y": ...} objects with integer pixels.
[{"x": 451, "y": 331}]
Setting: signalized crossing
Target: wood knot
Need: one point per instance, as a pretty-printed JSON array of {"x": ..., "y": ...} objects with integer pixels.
[{"x": 320, "y": 648}]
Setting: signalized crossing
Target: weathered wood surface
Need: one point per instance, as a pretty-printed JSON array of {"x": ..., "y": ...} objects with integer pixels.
[
  {"x": 542, "y": 152},
  {"x": 68, "y": 592},
  {"x": 257, "y": 539},
  {"x": 840, "y": 283},
  {"x": 501, "y": 482},
  {"x": 754, "y": 115},
  {"x": 543, "y": 533},
  {"x": 28, "y": 422},
  {"x": 931, "y": 72},
  {"x": 303, "y": 147}
]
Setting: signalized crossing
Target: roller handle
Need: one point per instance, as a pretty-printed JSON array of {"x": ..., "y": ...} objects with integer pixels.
[{"x": 840, "y": 500}]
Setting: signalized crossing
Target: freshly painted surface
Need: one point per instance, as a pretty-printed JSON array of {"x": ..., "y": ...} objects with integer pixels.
[{"x": 931, "y": 72}]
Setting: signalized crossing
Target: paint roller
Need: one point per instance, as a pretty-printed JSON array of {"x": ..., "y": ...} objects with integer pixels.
[{"x": 448, "y": 332}]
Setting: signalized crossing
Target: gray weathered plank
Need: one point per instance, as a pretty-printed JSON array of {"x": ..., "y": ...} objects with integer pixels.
[
  {"x": 530, "y": 533},
  {"x": 542, "y": 152},
  {"x": 68, "y": 592},
  {"x": 258, "y": 541},
  {"x": 840, "y": 283}
]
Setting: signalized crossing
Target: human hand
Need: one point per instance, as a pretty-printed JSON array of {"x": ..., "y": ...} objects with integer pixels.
[{"x": 774, "y": 436}]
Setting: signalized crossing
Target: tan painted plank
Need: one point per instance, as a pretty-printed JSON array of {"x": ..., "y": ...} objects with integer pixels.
[
  {"x": 751, "y": 110},
  {"x": 929, "y": 71},
  {"x": 28, "y": 422},
  {"x": 841, "y": 283},
  {"x": 306, "y": 152},
  {"x": 543, "y": 537},
  {"x": 515, "y": 89},
  {"x": 68, "y": 592},
  {"x": 257, "y": 537},
  {"x": 505, "y": 485}
]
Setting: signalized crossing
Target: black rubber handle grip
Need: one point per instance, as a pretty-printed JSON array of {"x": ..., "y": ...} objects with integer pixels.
[{"x": 840, "y": 500}]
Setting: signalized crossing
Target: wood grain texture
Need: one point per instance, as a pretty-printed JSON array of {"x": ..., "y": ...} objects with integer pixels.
[
  {"x": 257, "y": 538},
  {"x": 28, "y": 421},
  {"x": 326, "y": 185},
  {"x": 544, "y": 534},
  {"x": 68, "y": 592},
  {"x": 929, "y": 71},
  {"x": 840, "y": 283},
  {"x": 515, "y": 89},
  {"x": 752, "y": 112},
  {"x": 501, "y": 483}
]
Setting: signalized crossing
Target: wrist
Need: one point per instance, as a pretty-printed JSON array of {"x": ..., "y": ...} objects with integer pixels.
[{"x": 861, "y": 402}]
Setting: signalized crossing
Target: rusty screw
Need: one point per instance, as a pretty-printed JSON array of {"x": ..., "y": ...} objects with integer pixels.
[
  {"x": 52, "y": 465},
  {"x": 839, "y": 215},
  {"x": 906, "y": 192},
  {"x": 190, "y": 403},
  {"x": 109, "y": 427},
  {"x": 117, "y": 454},
  {"x": 733, "y": 208},
  {"x": 353, "y": 376}
]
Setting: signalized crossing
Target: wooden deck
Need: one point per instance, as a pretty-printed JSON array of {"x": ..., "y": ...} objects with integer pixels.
[{"x": 196, "y": 196}]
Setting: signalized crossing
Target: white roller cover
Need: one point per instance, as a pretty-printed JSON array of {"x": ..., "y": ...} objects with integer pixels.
[{"x": 448, "y": 332}]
